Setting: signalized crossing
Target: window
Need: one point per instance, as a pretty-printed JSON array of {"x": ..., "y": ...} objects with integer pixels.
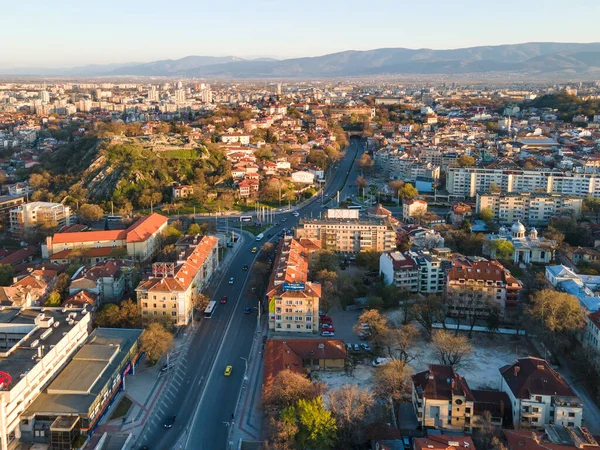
[
  {"x": 164, "y": 313},
  {"x": 164, "y": 305},
  {"x": 315, "y": 362},
  {"x": 145, "y": 304},
  {"x": 298, "y": 326},
  {"x": 288, "y": 326},
  {"x": 538, "y": 398},
  {"x": 173, "y": 313},
  {"x": 174, "y": 305},
  {"x": 571, "y": 414}
]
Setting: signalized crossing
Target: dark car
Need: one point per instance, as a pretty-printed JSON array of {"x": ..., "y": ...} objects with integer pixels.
[
  {"x": 170, "y": 421},
  {"x": 245, "y": 267},
  {"x": 247, "y": 310},
  {"x": 224, "y": 299}
]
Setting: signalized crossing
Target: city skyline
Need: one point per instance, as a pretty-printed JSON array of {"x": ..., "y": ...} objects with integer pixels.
[{"x": 141, "y": 32}]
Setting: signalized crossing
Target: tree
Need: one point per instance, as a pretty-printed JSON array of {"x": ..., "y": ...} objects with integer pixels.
[
  {"x": 53, "y": 299},
  {"x": 171, "y": 235},
  {"x": 62, "y": 283},
  {"x": 395, "y": 185},
  {"x": 368, "y": 259},
  {"x": 503, "y": 249},
  {"x": 399, "y": 342},
  {"x": 365, "y": 163},
  {"x": 156, "y": 341},
  {"x": 392, "y": 381},
  {"x": 556, "y": 312},
  {"x": 317, "y": 425},
  {"x": 466, "y": 161},
  {"x": 377, "y": 324},
  {"x": 194, "y": 229},
  {"x": 486, "y": 431},
  {"x": 361, "y": 183},
  {"x": 200, "y": 301},
  {"x": 109, "y": 316},
  {"x": 554, "y": 235},
  {"x": 130, "y": 314},
  {"x": 408, "y": 192},
  {"x": 6, "y": 274},
  {"x": 282, "y": 430},
  {"x": 494, "y": 188},
  {"x": 450, "y": 349},
  {"x": 592, "y": 204},
  {"x": 118, "y": 253},
  {"x": 90, "y": 213},
  {"x": 352, "y": 409},
  {"x": 326, "y": 260},
  {"x": 487, "y": 215},
  {"x": 465, "y": 226},
  {"x": 287, "y": 388},
  {"x": 429, "y": 311}
]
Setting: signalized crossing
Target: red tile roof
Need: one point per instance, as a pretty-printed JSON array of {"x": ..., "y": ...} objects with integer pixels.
[
  {"x": 441, "y": 382},
  {"x": 443, "y": 442},
  {"x": 145, "y": 227}
]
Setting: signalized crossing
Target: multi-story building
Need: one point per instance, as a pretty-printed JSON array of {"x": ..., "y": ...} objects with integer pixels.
[
  {"x": 432, "y": 271},
  {"x": 141, "y": 241},
  {"x": 413, "y": 208},
  {"x": 171, "y": 289},
  {"x": 400, "y": 270},
  {"x": 591, "y": 334},
  {"x": 35, "y": 346},
  {"x": 108, "y": 280},
  {"x": 82, "y": 392},
  {"x": 26, "y": 217},
  {"x": 476, "y": 285},
  {"x": 527, "y": 207},
  {"x": 539, "y": 395},
  {"x": 8, "y": 203},
  {"x": 468, "y": 181},
  {"x": 293, "y": 301},
  {"x": 442, "y": 399},
  {"x": 349, "y": 236}
]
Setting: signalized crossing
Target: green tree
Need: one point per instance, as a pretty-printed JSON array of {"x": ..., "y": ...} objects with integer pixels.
[
  {"x": 194, "y": 229},
  {"x": 326, "y": 260},
  {"x": 118, "y": 253},
  {"x": 408, "y": 192},
  {"x": 62, "y": 283},
  {"x": 368, "y": 259},
  {"x": 317, "y": 426},
  {"x": 502, "y": 248},
  {"x": 53, "y": 299},
  {"x": 466, "y": 226},
  {"x": 487, "y": 215},
  {"x": 494, "y": 188},
  {"x": 6, "y": 274},
  {"x": 171, "y": 235}
]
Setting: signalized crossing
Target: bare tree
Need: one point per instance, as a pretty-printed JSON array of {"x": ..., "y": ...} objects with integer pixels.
[
  {"x": 451, "y": 349},
  {"x": 393, "y": 382},
  {"x": 287, "y": 388},
  {"x": 429, "y": 311},
  {"x": 352, "y": 409},
  {"x": 156, "y": 341}
]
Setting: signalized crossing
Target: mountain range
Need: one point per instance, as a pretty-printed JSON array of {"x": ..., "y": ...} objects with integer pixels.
[{"x": 546, "y": 59}]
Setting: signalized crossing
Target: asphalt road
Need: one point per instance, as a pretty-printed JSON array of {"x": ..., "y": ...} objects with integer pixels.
[{"x": 206, "y": 399}]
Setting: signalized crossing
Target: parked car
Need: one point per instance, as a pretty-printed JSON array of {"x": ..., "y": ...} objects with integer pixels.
[
  {"x": 327, "y": 333},
  {"x": 356, "y": 348},
  {"x": 326, "y": 326},
  {"x": 366, "y": 347},
  {"x": 348, "y": 346},
  {"x": 326, "y": 319},
  {"x": 380, "y": 362}
]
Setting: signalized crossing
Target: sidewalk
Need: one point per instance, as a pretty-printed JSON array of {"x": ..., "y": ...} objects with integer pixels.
[{"x": 248, "y": 415}]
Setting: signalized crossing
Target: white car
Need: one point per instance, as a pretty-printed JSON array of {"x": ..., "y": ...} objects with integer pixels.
[
  {"x": 380, "y": 362},
  {"x": 327, "y": 333},
  {"x": 296, "y": 213}
]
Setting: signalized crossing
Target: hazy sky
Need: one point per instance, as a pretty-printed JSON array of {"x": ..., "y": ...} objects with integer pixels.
[{"x": 68, "y": 32}]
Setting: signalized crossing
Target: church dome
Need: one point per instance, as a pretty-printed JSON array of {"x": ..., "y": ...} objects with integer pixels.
[{"x": 518, "y": 229}]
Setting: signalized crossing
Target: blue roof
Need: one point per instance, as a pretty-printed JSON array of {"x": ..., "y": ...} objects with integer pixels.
[{"x": 588, "y": 299}]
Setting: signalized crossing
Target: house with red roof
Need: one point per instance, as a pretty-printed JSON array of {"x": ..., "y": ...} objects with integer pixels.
[
  {"x": 443, "y": 442},
  {"x": 141, "y": 241},
  {"x": 539, "y": 395},
  {"x": 171, "y": 289}
]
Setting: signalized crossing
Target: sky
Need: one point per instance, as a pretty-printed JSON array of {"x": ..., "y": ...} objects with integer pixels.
[{"x": 64, "y": 33}]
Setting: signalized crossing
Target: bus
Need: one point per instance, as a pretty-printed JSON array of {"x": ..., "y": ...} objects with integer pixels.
[
  {"x": 245, "y": 218},
  {"x": 260, "y": 237},
  {"x": 209, "y": 309},
  {"x": 355, "y": 207},
  {"x": 114, "y": 218}
]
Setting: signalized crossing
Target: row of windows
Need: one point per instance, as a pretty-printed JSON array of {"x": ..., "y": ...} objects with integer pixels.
[
  {"x": 164, "y": 305},
  {"x": 155, "y": 313},
  {"x": 289, "y": 326}
]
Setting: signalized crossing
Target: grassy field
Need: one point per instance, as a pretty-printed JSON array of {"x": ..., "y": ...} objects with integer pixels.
[
  {"x": 180, "y": 154},
  {"x": 121, "y": 409}
]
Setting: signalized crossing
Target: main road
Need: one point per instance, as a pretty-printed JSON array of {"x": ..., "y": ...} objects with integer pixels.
[{"x": 206, "y": 399}]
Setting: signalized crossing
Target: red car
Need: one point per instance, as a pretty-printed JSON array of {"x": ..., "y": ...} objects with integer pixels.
[
  {"x": 326, "y": 320},
  {"x": 224, "y": 299}
]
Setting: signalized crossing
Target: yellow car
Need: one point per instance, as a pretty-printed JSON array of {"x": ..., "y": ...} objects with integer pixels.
[
  {"x": 228, "y": 370},
  {"x": 254, "y": 249}
]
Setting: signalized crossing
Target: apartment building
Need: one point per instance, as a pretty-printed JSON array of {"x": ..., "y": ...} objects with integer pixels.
[
  {"x": 591, "y": 334},
  {"x": 413, "y": 208},
  {"x": 7, "y": 203},
  {"x": 532, "y": 208},
  {"x": 26, "y": 217},
  {"x": 476, "y": 285},
  {"x": 418, "y": 271},
  {"x": 171, "y": 289},
  {"x": 468, "y": 181},
  {"x": 36, "y": 344},
  {"x": 141, "y": 240},
  {"x": 398, "y": 165},
  {"x": 293, "y": 301},
  {"x": 349, "y": 236},
  {"x": 539, "y": 395}
]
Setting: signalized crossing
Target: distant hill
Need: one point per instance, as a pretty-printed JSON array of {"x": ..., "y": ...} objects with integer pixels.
[{"x": 544, "y": 58}]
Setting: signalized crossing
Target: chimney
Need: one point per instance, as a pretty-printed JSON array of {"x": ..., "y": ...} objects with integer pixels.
[{"x": 516, "y": 370}]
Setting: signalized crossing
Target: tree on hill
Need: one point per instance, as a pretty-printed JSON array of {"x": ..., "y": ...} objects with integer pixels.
[{"x": 90, "y": 213}]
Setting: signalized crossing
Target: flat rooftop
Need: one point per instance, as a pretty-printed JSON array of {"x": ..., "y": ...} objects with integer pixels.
[
  {"x": 27, "y": 333},
  {"x": 78, "y": 385}
]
